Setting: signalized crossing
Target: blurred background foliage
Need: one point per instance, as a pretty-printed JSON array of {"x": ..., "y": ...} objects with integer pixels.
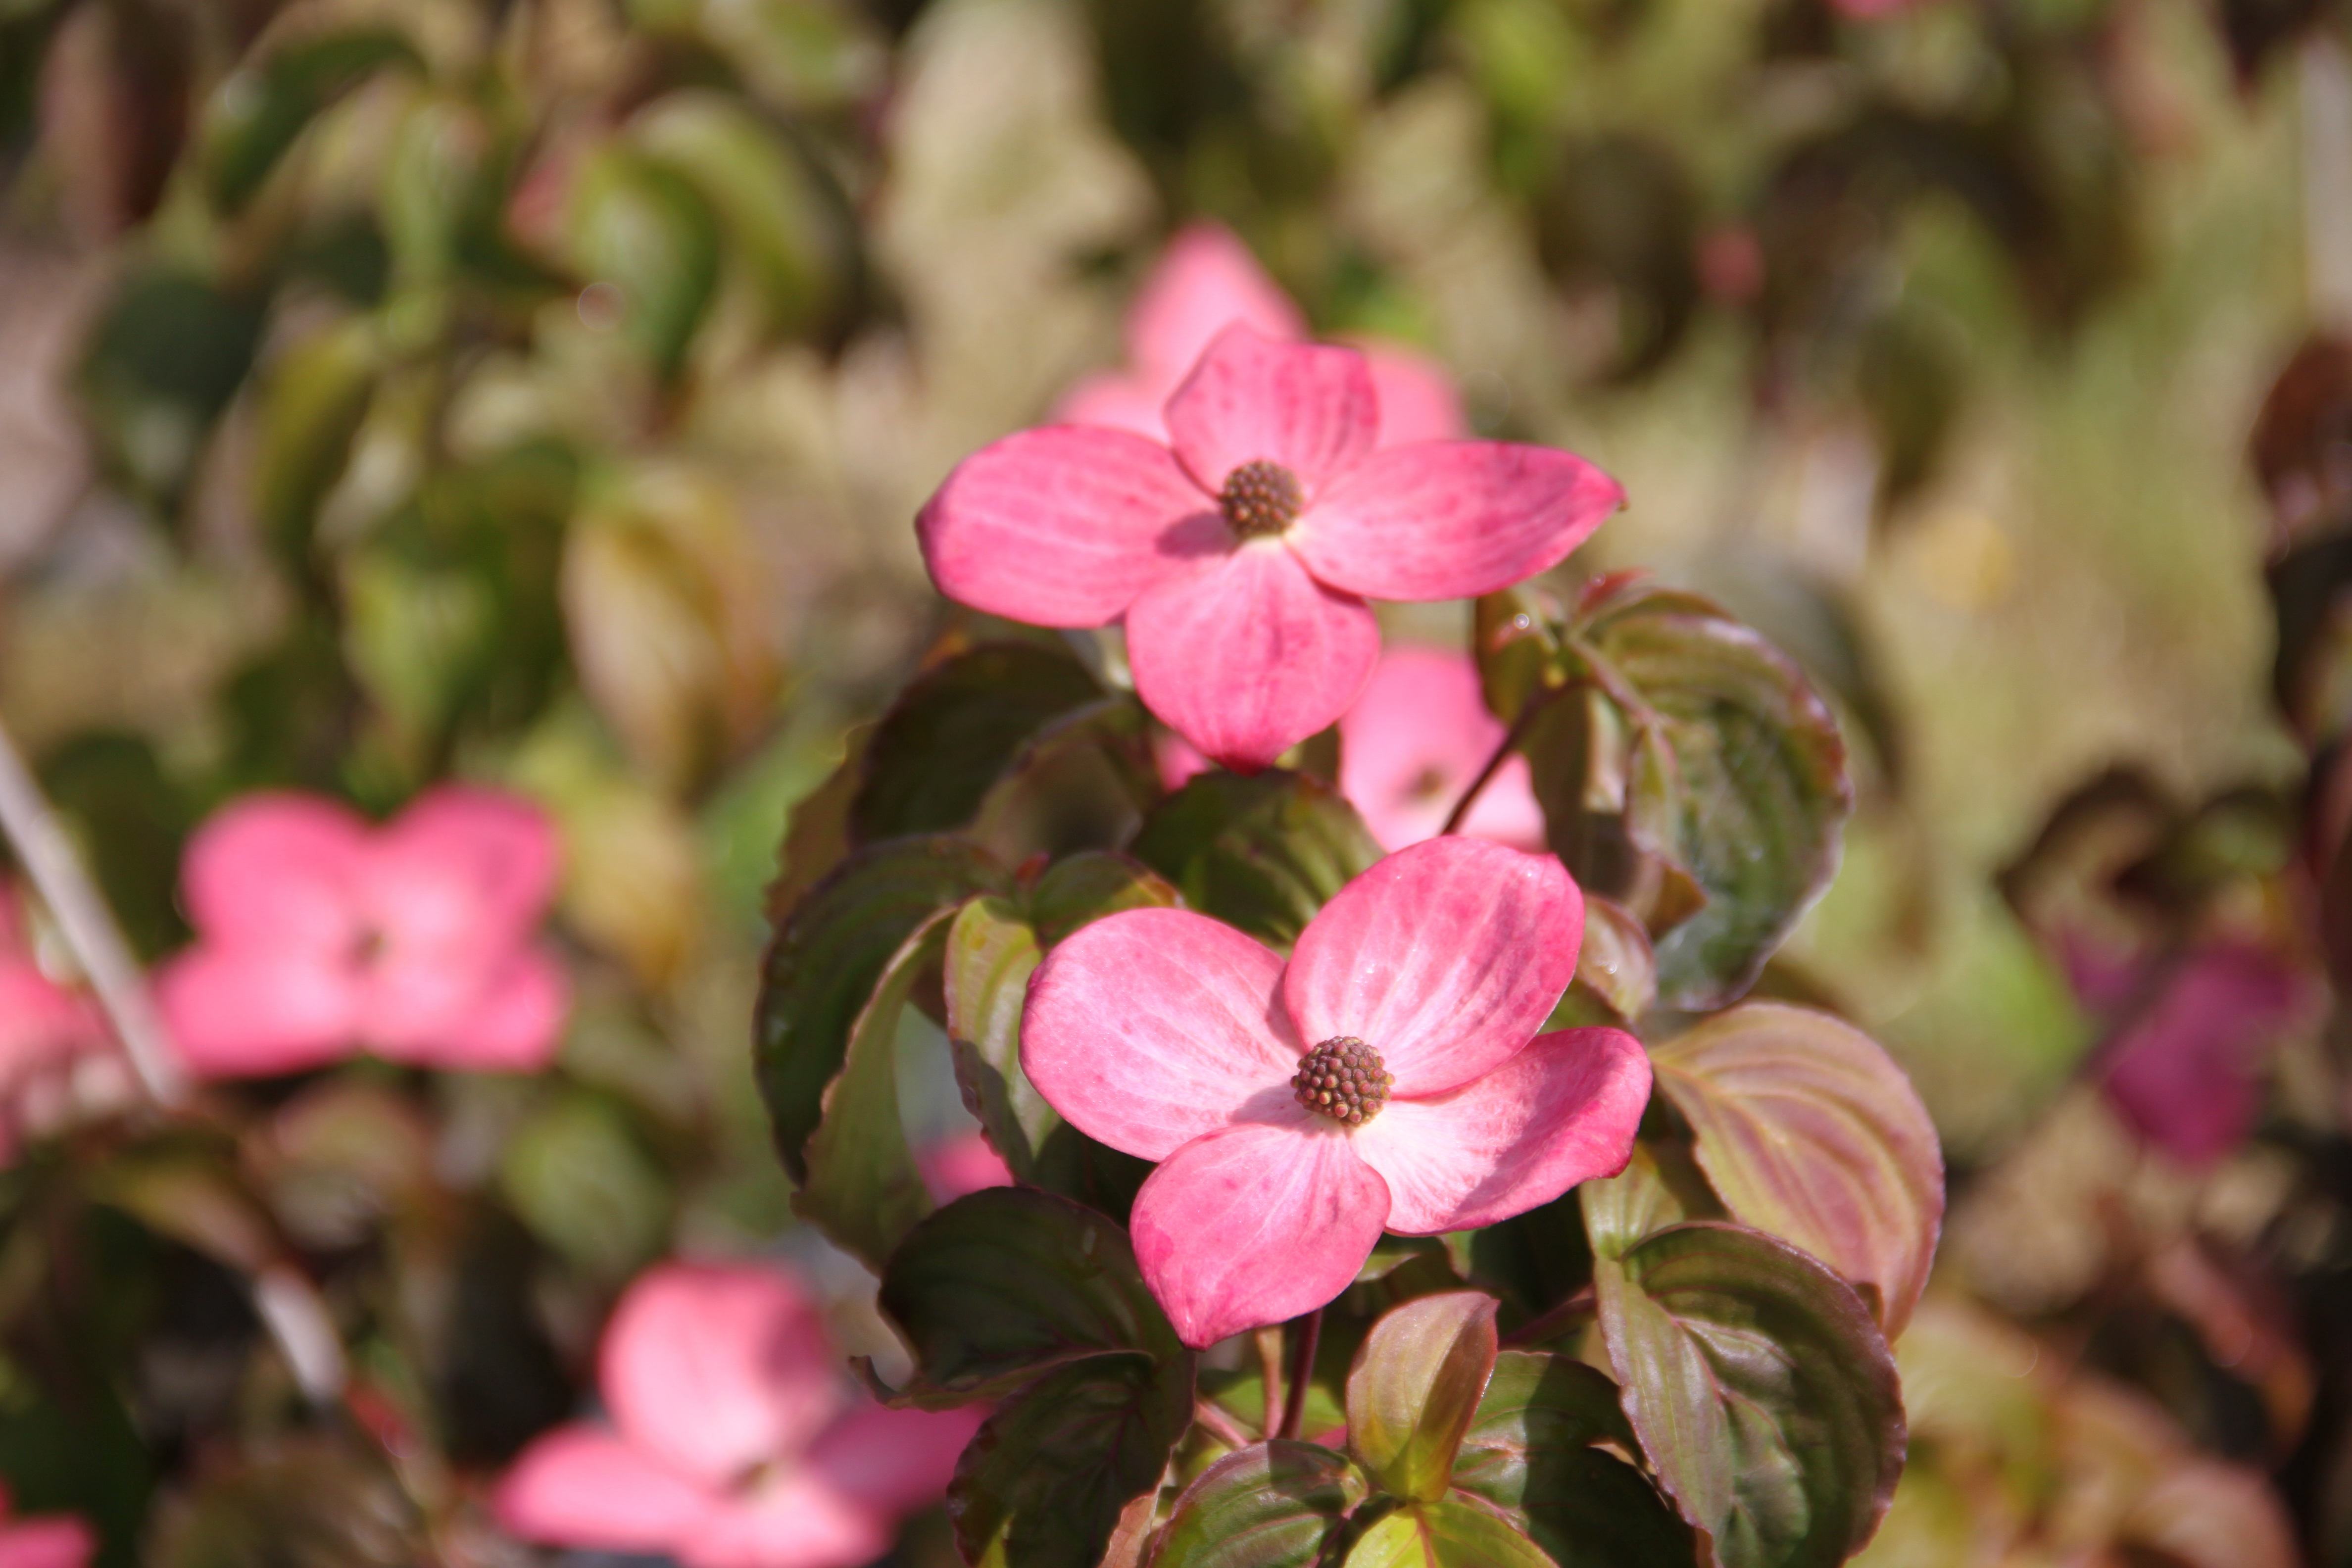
[{"x": 541, "y": 392}]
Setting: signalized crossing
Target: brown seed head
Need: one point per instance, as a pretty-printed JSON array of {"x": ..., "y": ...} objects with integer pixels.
[
  {"x": 1261, "y": 499},
  {"x": 1344, "y": 1079}
]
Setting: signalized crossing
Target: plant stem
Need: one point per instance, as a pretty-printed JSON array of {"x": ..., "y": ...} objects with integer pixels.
[{"x": 1302, "y": 1371}]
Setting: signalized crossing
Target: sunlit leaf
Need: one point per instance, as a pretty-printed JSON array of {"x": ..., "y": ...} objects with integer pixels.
[
  {"x": 1417, "y": 1379},
  {"x": 1453, "y": 1533},
  {"x": 1272, "y": 1505},
  {"x": 1262, "y": 853}
]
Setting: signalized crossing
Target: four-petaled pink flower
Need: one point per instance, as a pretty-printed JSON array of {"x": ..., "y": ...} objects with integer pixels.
[
  {"x": 1207, "y": 280},
  {"x": 1240, "y": 557},
  {"x": 319, "y": 935},
  {"x": 736, "y": 1441},
  {"x": 1389, "y": 1077},
  {"x": 43, "y": 1540},
  {"x": 1416, "y": 739}
]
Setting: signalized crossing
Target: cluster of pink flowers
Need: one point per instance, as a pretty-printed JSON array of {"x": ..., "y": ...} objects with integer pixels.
[{"x": 736, "y": 1439}]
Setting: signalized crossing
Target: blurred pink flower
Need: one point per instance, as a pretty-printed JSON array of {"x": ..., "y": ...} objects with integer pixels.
[
  {"x": 1240, "y": 560},
  {"x": 46, "y": 1032},
  {"x": 735, "y": 1442},
  {"x": 1206, "y": 281},
  {"x": 1416, "y": 739},
  {"x": 2186, "y": 1071},
  {"x": 319, "y": 935},
  {"x": 1419, "y": 988},
  {"x": 43, "y": 1540},
  {"x": 965, "y": 1163}
]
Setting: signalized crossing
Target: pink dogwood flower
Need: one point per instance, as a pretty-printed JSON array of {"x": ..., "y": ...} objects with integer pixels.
[
  {"x": 1207, "y": 280},
  {"x": 1239, "y": 557},
  {"x": 1388, "y": 1076},
  {"x": 1417, "y": 739},
  {"x": 319, "y": 935},
  {"x": 735, "y": 1442},
  {"x": 962, "y": 1164},
  {"x": 43, "y": 1540}
]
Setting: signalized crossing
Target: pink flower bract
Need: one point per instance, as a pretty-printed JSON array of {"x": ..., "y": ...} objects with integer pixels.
[
  {"x": 962, "y": 1164},
  {"x": 1240, "y": 556},
  {"x": 319, "y": 935},
  {"x": 44, "y": 1541},
  {"x": 2186, "y": 1072},
  {"x": 1173, "y": 1037},
  {"x": 1416, "y": 739},
  {"x": 735, "y": 1442}
]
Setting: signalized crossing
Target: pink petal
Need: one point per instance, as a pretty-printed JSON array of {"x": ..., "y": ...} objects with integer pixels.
[
  {"x": 960, "y": 1165},
  {"x": 1416, "y": 739},
  {"x": 1116, "y": 401},
  {"x": 582, "y": 1486},
  {"x": 1255, "y": 1224},
  {"x": 1310, "y": 409},
  {"x": 1451, "y": 520},
  {"x": 1150, "y": 1027},
  {"x": 47, "y": 1541},
  {"x": 1206, "y": 280},
  {"x": 1418, "y": 400},
  {"x": 1249, "y": 655},
  {"x": 1177, "y": 759},
  {"x": 1445, "y": 958},
  {"x": 2186, "y": 1072},
  {"x": 1063, "y": 526},
  {"x": 715, "y": 1368},
  {"x": 464, "y": 869},
  {"x": 276, "y": 871},
  {"x": 41, "y": 1023},
  {"x": 796, "y": 1522},
  {"x": 512, "y": 1022},
  {"x": 252, "y": 1014},
  {"x": 893, "y": 1460},
  {"x": 1563, "y": 1110}
]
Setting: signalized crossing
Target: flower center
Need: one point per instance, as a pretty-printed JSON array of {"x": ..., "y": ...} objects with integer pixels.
[
  {"x": 1344, "y": 1079},
  {"x": 1260, "y": 499}
]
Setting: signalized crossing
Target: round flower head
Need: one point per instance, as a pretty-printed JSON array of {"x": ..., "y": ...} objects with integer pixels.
[
  {"x": 1388, "y": 1076},
  {"x": 1240, "y": 554}
]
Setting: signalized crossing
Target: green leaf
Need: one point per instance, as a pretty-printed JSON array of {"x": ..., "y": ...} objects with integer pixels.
[
  {"x": 1516, "y": 636},
  {"x": 1271, "y": 1505},
  {"x": 1658, "y": 1187},
  {"x": 827, "y": 958},
  {"x": 954, "y": 731},
  {"x": 1263, "y": 853},
  {"x": 640, "y": 225},
  {"x": 1806, "y": 1129},
  {"x": 583, "y": 1183},
  {"x": 1753, "y": 777},
  {"x": 1009, "y": 1282},
  {"x": 1616, "y": 964},
  {"x": 1044, "y": 1480},
  {"x": 316, "y": 397},
  {"x": 864, "y": 1189},
  {"x": 1085, "y": 887},
  {"x": 259, "y": 108},
  {"x": 1762, "y": 1392},
  {"x": 1417, "y": 1380},
  {"x": 1451, "y": 1533},
  {"x": 1534, "y": 1450},
  {"x": 1534, "y": 1260},
  {"x": 1080, "y": 784}
]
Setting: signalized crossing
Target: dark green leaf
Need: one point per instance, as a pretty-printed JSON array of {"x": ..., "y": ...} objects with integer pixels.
[
  {"x": 1417, "y": 1379},
  {"x": 864, "y": 1189},
  {"x": 317, "y": 395},
  {"x": 1534, "y": 1451},
  {"x": 258, "y": 112},
  {"x": 955, "y": 729},
  {"x": 1078, "y": 785},
  {"x": 1272, "y": 1505},
  {"x": 1087, "y": 887},
  {"x": 831, "y": 953},
  {"x": 1534, "y": 1260},
  {"x": 1044, "y": 1480},
  {"x": 1263, "y": 853},
  {"x": 1009, "y": 1282},
  {"x": 1762, "y": 1392}
]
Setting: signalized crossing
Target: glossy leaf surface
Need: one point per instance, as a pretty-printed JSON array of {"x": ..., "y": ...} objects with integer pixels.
[
  {"x": 1272, "y": 1505},
  {"x": 1262, "y": 853},
  {"x": 1416, "y": 1381},
  {"x": 955, "y": 729}
]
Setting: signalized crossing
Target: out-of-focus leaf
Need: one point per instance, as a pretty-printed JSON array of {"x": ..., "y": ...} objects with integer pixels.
[
  {"x": 786, "y": 225},
  {"x": 169, "y": 351},
  {"x": 192, "y": 1198},
  {"x": 132, "y": 821},
  {"x": 340, "y": 1158},
  {"x": 432, "y": 188},
  {"x": 2205, "y": 1514},
  {"x": 643, "y": 227},
  {"x": 1756, "y": 792},
  {"x": 955, "y": 730},
  {"x": 1263, "y": 853},
  {"x": 864, "y": 1189},
  {"x": 1534, "y": 1450},
  {"x": 1043, "y": 1483},
  {"x": 1450, "y": 1533},
  {"x": 1617, "y": 220},
  {"x": 317, "y": 395},
  {"x": 2185, "y": 1071},
  {"x": 586, "y": 1187},
  {"x": 1808, "y": 1130},
  {"x": 1271, "y": 1505},
  {"x": 669, "y": 627},
  {"x": 2312, "y": 675},
  {"x": 311, "y": 1504},
  {"x": 260, "y": 107},
  {"x": 1761, "y": 1391},
  {"x": 2300, "y": 438},
  {"x": 831, "y": 953},
  {"x": 2066, "y": 886},
  {"x": 1085, "y": 887},
  {"x": 115, "y": 105},
  {"x": 1008, "y": 1282},
  {"x": 1417, "y": 1379}
]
